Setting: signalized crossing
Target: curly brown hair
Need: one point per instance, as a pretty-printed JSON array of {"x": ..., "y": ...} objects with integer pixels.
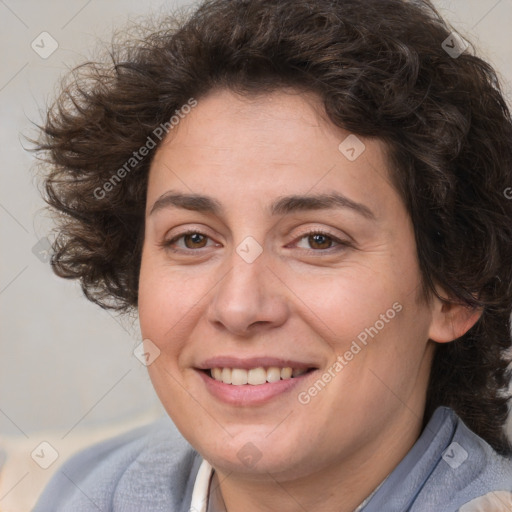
[{"x": 382, "y": 70}]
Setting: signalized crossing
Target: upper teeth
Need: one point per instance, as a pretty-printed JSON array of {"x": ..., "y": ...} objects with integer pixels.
[{"x": 254, "y": 376}]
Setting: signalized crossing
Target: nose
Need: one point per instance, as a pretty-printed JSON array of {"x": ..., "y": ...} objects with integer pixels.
[{"x": 249, "y": 298}]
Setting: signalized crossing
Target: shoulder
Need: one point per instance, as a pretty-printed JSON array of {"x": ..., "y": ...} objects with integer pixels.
[
  {"x": 149, "y": 468},
  {"x": 477, "y": 477}
]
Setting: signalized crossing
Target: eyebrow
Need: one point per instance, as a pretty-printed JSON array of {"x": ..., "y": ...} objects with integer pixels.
[{"x": 283, "y": 205}]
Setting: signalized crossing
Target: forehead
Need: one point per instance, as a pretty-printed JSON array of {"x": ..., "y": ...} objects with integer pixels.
[{"x": 264, "y": 147}]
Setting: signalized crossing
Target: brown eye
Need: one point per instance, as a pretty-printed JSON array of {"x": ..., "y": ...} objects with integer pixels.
[
  {"x": 320, "y": 241},
  {"x": 188, "y": 241},
  {"x": 197, "y": 240}
]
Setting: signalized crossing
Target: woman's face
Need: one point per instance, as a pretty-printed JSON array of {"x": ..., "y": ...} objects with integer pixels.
[{"x": 299, "y": 254}]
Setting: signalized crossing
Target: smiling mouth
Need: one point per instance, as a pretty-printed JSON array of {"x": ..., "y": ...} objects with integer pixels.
[{"x": 255, "y": 376}]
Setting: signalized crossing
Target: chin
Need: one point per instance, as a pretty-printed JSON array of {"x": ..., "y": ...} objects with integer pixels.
[{"x": 257, "y": 455}]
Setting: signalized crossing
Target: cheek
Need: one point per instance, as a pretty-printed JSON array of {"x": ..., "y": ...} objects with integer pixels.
[
  {"x": 166, "y": 297},
  {"x": 368, "y": 312},
  {"x": 171, "y": 304},
  {"x": 345, "y": 301},
  {"x": 158, "y": 308}
]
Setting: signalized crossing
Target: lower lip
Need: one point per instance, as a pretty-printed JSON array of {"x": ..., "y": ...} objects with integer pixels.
[{"x": 249, "y": 394}]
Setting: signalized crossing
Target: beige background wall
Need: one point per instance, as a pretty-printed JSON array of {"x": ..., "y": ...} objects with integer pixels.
[{"x": 67, "y": 372}]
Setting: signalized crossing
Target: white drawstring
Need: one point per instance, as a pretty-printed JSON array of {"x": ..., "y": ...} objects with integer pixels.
[{"x": 199, "y": 501}]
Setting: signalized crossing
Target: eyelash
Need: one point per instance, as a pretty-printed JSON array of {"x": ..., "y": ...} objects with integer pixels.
[{"x": 342, "y": 244}]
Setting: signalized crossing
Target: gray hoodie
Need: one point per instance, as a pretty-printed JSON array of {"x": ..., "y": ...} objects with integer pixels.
[{"x": 153, "y": 468}]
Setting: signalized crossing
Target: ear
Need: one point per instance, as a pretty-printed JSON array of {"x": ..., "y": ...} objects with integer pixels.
[{"x": 450, "y": 321}]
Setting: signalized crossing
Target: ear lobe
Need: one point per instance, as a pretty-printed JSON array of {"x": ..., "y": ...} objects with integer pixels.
[{"x": 451, "y": 321}]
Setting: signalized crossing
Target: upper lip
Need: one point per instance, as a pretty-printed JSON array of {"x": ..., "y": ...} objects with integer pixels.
[{"x": 251, "y": 362}]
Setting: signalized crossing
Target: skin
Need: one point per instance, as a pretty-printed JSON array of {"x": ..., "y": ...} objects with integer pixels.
[{"x": 298, "y": 300}]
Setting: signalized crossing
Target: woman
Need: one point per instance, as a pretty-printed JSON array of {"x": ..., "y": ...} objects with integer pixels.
[{"x": 305, "y": 201}]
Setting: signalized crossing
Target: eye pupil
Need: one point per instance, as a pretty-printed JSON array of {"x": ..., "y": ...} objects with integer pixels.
[
  {"x": 319, "y": 239},
  {"x": 195, "y": 238}
]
